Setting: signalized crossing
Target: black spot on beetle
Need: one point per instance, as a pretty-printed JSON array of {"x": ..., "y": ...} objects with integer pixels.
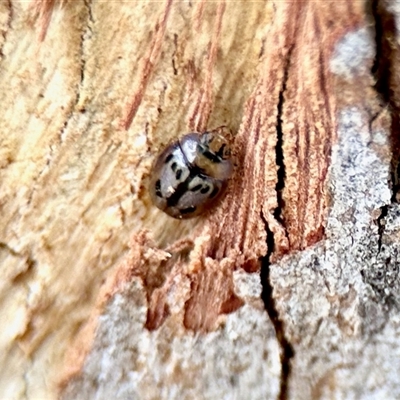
[
  {"x": 214, "y": 192},
  {"x": 188, "y": 210},
  {"x": 220, "y": 152},
  {"x": 211, "y": 156},
  {"x": 178, "y": 174},
  {"x": 205, "y": 189},
  {"x": 169, "y": 158},
  {"x": 196, "y": 188},
  {"x": 158, "y": 189},
  {"x": 182, "y": 187}
]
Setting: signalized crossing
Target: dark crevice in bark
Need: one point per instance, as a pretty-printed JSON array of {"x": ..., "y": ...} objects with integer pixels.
[
  {"x": 387, "y": 83},
  {"x": 382, "y": 277},
  {"x": 270, "y": 306},
  {"x": 381, "y": 225},
  {"x": 385, "y": 32},
  {"x": 267, "y": 292}
]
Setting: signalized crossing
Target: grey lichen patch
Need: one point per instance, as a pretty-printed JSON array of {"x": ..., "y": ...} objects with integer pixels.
[
  {"x": 329, "y": 308},
  {"x": 129, "y": 362},
  {"x": 375, "y": 374},
  {"x": 359, "y": 178},
  {"x": 352, "y": 53}
]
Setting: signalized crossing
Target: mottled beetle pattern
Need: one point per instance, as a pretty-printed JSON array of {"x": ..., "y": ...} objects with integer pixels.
[{"x": 191, "y": 174}]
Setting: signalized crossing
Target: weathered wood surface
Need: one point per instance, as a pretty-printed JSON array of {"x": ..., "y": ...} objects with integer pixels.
[{"x": 288, "y": 289}]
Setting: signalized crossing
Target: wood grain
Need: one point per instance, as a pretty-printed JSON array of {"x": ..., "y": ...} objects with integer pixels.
[{"x": 100, "y": 286}]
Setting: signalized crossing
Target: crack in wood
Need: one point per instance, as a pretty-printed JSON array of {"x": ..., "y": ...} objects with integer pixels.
[
  {"x": 387, "y": 82},
  {"x": 280, "y": 159},
  {"x": 287, "y": 351},
  {"x": 381, "y": 225},
  {"x": 88, "y": 4}
]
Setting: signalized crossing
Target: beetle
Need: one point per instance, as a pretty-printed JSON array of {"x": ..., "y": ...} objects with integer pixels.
[{"x": 191, "y": 173}]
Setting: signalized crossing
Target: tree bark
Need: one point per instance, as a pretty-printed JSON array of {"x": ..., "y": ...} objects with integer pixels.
[{"x": 288, "y": 288}]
